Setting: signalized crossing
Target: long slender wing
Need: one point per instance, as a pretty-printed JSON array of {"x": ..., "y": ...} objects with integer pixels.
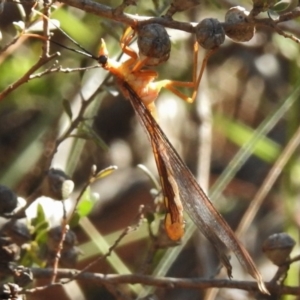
[
  {"x": 174, "y": 222},
  {"x": 174, "y": 175}
]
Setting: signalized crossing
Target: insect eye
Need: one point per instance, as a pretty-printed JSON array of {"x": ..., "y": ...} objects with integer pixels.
[{"x": 102, "y": 60}]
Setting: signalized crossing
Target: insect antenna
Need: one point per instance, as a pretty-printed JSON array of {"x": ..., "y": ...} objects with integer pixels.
[{"x": 83, "y": 51}]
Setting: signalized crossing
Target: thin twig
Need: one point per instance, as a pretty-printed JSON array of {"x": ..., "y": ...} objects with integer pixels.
[
  {"x": 124, "y": 233},
  {"x": 60, "y": 69},
  {"x": 294, "y": 259},
  {"x": 46, "y": 31},
  {"x": 163, "y": 282},
  {"x": 64, "y": 230}
]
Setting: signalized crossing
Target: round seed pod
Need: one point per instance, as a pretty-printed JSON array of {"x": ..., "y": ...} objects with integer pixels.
[
  {"x": 154, "y": 43},
  {"x": 8, "y": 200},
  {"x": 57, "y": 185},
  {"x": 17, "y": 231},
  {"x": 278, "y": 247},
  {"x": 54, "y": 237},
  {"x": 243, "y": 31},
  {"x": 210, "y": 33}
]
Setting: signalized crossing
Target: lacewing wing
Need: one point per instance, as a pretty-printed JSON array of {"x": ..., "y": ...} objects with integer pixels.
[{"x": 181, "y": 190}]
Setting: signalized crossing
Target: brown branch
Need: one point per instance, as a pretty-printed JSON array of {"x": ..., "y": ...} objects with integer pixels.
[
  {"x": 132, "y": 20},
  {"x": 101, "y": 10},
  {"x": 7, "y": 46},
  {"x": 274, "y": 26},
  {"x": 124, "y": 233},
  {"x": 64, "y": 230},
  {"x": 46, "y": 30},
  {"x": 128, "y": 19},
  {"x": 294, "y": 259},
  {"x": 163, "y": 282},
  {"x": 289, "y": 16}
]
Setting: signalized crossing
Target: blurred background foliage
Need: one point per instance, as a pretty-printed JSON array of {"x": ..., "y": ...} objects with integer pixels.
[{"x": 244, "y": 84}]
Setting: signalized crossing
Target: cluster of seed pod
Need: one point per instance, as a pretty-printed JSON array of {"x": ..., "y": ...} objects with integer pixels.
[
  {"x": 154, "y": 42},
  {"x": 15, "y": 233},
  {"x": 210, "y": 33}
]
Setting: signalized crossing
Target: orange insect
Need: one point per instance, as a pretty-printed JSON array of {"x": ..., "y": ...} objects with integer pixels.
[
  {"x": 179, "y": 186},
  {"x": 142, "y": 83}
]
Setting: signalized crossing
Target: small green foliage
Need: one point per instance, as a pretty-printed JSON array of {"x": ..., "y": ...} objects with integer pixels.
[
  {"x": 266, "y": 149},
  {"x": 86, "y": 132},
  {"x": 284, "y": 6},
  {"x": 40, "y": 217},
  {"x": 40, "y": 225},
  {"x": 105, "y": 172},
  {"x": 86, "y": 203},
  {"x": 75, "y": 220}
]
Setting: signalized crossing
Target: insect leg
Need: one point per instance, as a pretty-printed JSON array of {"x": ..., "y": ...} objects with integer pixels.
[{"x": 172, "y": 85}]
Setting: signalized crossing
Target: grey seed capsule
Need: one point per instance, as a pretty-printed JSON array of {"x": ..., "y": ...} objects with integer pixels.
[{"x": 210, "y": 33}]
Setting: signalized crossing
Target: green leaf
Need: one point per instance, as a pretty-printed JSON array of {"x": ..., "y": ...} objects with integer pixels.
[
  {"x": 75, "y": 220},
  {"x": 284, "y": 6},
  {"x": 40, "y": 225},
  {"x": 85, "y": 207},
  {"x": 86, "y": 132},
  {"x": 105, "y": 172},
  {"x": 40, "y": 216},
  {"x": 42, "y": 236},
  {"x": 86, "y": 203},
  {"x": 266, "y": 149},
  {"x": 44, "y": 225}
]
